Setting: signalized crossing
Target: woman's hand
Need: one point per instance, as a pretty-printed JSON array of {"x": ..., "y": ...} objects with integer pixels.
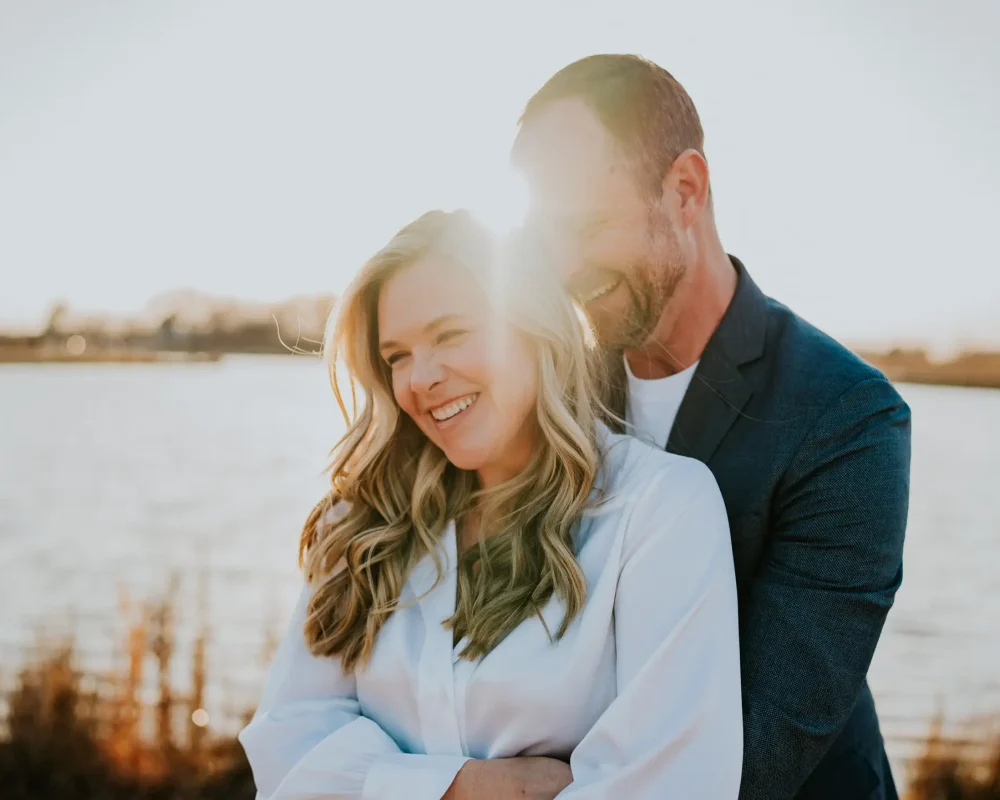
[{"x": 521, "y": 778}]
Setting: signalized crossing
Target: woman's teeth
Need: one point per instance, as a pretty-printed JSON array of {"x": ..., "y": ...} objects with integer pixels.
[
  {"x": 600, "y": 291},
  {"x": 453, "y": 408}
]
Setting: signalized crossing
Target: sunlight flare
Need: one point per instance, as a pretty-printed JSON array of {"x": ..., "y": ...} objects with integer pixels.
[{"x": 502, "y": 203}]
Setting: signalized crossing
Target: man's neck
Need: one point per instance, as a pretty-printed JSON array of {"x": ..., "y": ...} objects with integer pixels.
[{"x": 689, "y": 320}]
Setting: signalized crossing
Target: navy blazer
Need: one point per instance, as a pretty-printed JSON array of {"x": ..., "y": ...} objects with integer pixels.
[{"x": 811, "y": 448}]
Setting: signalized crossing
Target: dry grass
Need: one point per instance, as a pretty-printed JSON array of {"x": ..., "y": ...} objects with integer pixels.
[
  {"x": 956, "y": 767},
  {"x": 75, "y": 736},
  {"x": 68, "y": 735}
]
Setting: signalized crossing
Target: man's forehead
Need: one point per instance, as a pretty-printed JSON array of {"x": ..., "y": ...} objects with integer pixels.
[{"x": 564, "y": 150}]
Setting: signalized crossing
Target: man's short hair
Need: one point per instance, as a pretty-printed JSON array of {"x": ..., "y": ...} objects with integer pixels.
[{"x": 647, "y": 112}]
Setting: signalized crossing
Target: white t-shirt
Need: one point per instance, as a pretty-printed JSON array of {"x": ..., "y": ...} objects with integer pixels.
[{"x": 653, "y": 404}]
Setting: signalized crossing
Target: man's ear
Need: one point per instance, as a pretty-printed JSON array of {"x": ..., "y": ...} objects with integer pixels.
[{"x": 688, "y": 179}]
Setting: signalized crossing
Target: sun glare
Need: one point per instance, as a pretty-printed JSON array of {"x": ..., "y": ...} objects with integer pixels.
[
  {"x": 502, "y": 202},
  {"x": 588, "y": 328}
]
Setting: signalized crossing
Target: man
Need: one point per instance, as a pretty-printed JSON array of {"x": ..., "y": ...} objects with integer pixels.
[{"x": 810, "y": 445}]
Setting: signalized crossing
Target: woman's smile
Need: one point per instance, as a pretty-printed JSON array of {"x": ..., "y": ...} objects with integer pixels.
[{"x": 448, "y": 414}]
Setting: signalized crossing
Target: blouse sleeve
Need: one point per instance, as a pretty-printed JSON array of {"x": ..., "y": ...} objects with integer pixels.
[
  {"x": 309, "y": 739},
  {"x": 675, "y": 727}
]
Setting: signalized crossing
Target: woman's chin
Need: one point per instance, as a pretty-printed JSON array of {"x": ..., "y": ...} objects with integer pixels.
[
  {"x": 465, "y": 460},
  {"x": 471, "y": 457}
]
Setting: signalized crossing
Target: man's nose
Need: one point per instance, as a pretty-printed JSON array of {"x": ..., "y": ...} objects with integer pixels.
[{"x": 426, "y": 372}]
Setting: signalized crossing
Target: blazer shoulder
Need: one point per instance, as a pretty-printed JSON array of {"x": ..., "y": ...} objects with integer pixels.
[{"x": 812, "y": 362}]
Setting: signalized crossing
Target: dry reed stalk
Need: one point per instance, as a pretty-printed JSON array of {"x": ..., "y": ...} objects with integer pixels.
[{"x": 74, "y": 736}]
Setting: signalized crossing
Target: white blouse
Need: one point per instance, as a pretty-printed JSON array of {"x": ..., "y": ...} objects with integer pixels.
[{"x": 641, "y": 695}]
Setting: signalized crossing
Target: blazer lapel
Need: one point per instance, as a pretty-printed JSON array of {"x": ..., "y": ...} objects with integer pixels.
[
  {"x": 719, "y": 391},
  {"x": 715, "y": 398}
]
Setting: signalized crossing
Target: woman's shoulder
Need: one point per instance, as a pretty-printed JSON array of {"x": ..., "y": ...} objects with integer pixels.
[
  {"x": 632, "y": 467},
  {"x": 663, "y": 497}
]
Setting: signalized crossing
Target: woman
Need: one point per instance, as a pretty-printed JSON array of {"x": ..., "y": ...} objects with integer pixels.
[{"x": 504, "y": 585}]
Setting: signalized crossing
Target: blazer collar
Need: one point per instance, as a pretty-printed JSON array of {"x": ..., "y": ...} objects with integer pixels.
[{"x": 719, "y": 391}]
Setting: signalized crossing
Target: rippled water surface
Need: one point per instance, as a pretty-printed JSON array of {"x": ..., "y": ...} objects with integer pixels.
[{"x": 112, "y": 478}]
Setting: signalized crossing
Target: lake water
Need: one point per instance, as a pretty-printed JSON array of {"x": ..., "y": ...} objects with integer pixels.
[{"x": 113, "y": 477}]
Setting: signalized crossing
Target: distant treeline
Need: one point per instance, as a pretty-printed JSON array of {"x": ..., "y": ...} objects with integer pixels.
[
  {"x": 192, "y": 323},
  {"x": 916, "y": 366},
  {"x": 185, "y": 322}
]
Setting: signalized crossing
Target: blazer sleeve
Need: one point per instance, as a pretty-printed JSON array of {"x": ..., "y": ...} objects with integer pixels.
[
  {"x": 814, "y": 611},
  {"x": 309, "y": 739},
  {"x": 674, "y": 729}
]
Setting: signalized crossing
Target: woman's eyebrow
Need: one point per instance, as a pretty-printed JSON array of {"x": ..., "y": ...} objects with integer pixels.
[{"x": 440, "y": 322}]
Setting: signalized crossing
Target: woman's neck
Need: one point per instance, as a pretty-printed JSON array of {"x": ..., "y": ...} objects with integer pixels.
[
  {"x": 492, "y": 476},
  {"x": 513, "y": 459},
  {"x": 467, "y": 530}
]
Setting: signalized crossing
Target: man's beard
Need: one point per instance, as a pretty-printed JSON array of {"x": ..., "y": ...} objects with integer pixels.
[
  {"x": 631, "y": 330},
  {"x": 649, "y": 289}
]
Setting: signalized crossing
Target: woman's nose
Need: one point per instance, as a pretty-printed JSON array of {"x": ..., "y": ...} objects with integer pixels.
[{"x": 426, "y": 373}]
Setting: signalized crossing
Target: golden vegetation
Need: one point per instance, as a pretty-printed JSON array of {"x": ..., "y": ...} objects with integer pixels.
[
  {"x": 71, "y": 735},
  {"x": 76, "y": 735},
  {"x": 956, "y": 768}
]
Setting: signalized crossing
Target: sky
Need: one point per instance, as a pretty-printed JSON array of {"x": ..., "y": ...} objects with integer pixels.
[{"x": 264, "y": 150}]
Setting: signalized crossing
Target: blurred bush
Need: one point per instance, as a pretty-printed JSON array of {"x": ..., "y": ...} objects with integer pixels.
[
  {"x": 72, "y": 736},
  {"x": 956, "y": 767}
]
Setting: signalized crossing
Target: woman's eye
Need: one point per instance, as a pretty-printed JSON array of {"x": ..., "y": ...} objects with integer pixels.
[{"x": 394, "y": 358}]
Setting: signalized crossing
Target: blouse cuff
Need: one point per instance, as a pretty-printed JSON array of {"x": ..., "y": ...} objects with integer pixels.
[{"x": 406, "y": 776}]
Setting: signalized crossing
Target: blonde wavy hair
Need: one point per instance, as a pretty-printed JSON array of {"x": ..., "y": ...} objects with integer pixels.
[{"x": 400, "y": 491}]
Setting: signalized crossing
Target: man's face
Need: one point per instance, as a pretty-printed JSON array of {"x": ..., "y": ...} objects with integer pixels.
[{"x": 609, "y": 237}]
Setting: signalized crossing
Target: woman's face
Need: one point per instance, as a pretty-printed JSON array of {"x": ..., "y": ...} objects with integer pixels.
[{"x": 464, "y": 375}]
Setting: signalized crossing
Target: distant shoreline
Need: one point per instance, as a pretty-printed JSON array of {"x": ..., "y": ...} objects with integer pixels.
[
  {"x": 26, "y": 355},
  {"x": 970, "y": 370},
  {"x": 980, "y": 370}
]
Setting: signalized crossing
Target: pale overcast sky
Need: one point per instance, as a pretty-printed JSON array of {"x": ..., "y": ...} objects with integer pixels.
[{"x": 264, "y": 150}]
